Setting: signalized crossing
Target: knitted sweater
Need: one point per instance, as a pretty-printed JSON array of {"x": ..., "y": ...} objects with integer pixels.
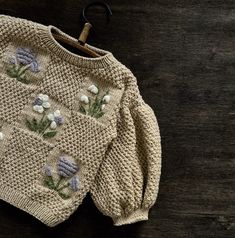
[{"x": 72, "y": 125}]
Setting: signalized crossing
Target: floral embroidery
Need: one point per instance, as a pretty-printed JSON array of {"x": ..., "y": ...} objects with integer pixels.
[
  {"x": 94, "y": 106},
  {"x": 24, "y": 60},
  {"x": 56, "y": 119},
  {"x": 74, "y": 183},
  {"x": 93, "y": 89},
  {"x": 41, "y": 105},
  {"x": 66, "y": 170},
  {"x": 1, "y": 134}
]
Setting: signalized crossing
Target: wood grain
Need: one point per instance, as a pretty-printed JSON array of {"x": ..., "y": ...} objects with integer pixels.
[{"x": 182, "y": 53}]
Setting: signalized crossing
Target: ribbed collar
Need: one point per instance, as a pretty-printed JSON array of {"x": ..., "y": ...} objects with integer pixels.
[{"x": 106, "y": 59}]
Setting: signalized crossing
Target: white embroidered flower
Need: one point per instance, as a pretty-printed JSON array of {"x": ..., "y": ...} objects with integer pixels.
[
  {"x": 41, "y": 103},
  {"x": 55, "y": 118},
  {"x": 93, "y": 89},
  {"x": 106, "y": 98},
  {"x": 84, "y": 99},
  {"x": 1, "y": 136},
  {"x": 102, "y": 106}
]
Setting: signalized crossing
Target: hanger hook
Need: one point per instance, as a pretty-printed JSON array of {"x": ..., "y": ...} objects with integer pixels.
[{"x": 105, "y": 5}]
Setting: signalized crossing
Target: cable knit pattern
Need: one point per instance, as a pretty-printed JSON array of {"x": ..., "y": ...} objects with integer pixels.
[{"x": 70, "y": 125}]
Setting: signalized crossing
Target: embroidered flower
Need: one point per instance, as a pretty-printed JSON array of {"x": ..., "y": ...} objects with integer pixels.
[
  {"x": 56, "y": 119},
  {"x": 24, "y": 60},
  {"x": 93, "y": 89},
  {"x": 106, "y": 98},
  {"x": 48, "y": 170},
  {"x": 26, "y": 56},
  {"x": 41, "y": 103},
  {"x": 49, "y": 181},
  {"x": 1, "y": 136},
  {"x": 74, "y": 183},
  {"x": 95, "y": 105},
  {"x": 51, "y": 120},
  {"x": 84, "y": 99},
  {"x": 67, "y": 170}
]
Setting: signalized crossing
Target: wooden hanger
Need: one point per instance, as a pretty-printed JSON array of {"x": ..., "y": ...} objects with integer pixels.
[{"x": 80, "y": 43}]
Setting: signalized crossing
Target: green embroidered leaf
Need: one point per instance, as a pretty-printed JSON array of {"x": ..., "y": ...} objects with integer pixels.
[
  {"x": 22, "y": 79},
  {"x": 48, "y": 181},
  {"x": 31, "y": 125},
  {"x": 35, "y": 124},
  {"x": 12, "y": 72},
  {"x": 99, "y": 114},
  {"x": 63, "y": 195},
  {"x": 49, "y": 134},
  {"x": 43, "y": 125},
  {"x": 28, "y": 124},
  {"x": 82, "y": 109}
]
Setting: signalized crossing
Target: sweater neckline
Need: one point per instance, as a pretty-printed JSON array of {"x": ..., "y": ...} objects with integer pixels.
[{"x": 106, "y": 59}]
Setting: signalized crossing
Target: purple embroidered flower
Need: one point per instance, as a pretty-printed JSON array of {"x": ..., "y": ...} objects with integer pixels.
[
  {"x": 74, "y": 183},
  {"x": 38, "y": 101},
  {"x": 13, "y": 60},
  {"x": 34, "y": 67},
  {"x": 48, "y": 170},
  {"x": 56, "y": 119},
  {"x": 23, "y": 60},
  {"x": 66, "y": 168},
  {"x": 26, "y": 56}
]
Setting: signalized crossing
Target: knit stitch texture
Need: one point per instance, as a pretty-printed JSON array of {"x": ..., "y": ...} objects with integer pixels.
[{"x": 70, "y": 125}]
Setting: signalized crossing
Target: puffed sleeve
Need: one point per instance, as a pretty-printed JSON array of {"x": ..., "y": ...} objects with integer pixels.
[{"x": 127, "y": 181}]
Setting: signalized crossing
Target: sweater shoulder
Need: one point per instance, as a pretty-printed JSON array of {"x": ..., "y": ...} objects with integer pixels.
[
  {"x": 19, "y": 29},
  {"x": 131, "y": 92}
]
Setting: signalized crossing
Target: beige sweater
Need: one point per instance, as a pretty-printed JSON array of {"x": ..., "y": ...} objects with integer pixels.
[{"x": 70, "y": 125}]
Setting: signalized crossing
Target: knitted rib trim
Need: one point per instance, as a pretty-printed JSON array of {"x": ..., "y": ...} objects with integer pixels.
[
  {"x": 42, "y": 213},
  {"x": 137, "y": 215},
  {"x": 48, "y": 41}
]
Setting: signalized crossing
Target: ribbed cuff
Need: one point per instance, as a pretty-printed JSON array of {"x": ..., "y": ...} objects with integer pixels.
[{"x": 137, "y": 215}]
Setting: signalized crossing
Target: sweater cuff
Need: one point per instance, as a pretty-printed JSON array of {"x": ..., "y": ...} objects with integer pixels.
[{"x": 137, "y": 215}]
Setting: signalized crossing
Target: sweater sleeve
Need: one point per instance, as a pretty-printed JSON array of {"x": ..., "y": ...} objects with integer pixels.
[{"x": 126, "y": 184}]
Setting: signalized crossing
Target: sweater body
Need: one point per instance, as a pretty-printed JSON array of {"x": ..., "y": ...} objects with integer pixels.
[{"x": 70, "y": 125}]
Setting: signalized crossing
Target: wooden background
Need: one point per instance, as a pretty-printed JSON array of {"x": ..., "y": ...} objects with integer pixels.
[{"x": 182, "y": 52}]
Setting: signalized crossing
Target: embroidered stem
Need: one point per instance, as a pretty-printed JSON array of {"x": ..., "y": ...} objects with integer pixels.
[
  {"x": 22, "y": 69},
  {"x": 89, "y": 108},
  {"x": 97, "y": 111},
  {"x": 52, "y": 181},
  {"x": 46, "y": 127},
  {"x": 58, "y": 182},
  {"x": 61, "y": 188},
  {"x": 17, "y": 65},
  {"x": 42, "y": 117},
  {"x": 98, "y": 108}
]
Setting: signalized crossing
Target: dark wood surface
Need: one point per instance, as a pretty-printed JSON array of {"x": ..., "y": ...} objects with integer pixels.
[{"x": 182, "y": 52}]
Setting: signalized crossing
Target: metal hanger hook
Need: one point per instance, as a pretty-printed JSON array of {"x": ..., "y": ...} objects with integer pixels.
[{"x": 103, "y": 4}]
